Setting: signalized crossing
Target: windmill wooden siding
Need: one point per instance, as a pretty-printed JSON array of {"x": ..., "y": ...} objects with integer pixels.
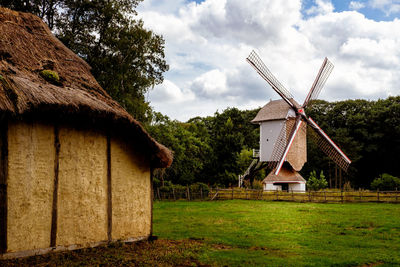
[{"x": 75, "y": 167}]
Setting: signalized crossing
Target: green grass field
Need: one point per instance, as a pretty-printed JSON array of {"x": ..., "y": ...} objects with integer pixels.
[
  {"x": 258, "y": 233},
  {"x": 252, "y": 233}
]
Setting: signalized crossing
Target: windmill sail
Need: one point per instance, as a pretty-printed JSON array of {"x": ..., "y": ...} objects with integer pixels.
[
  {"x": 256, "y": 62},
  {"x": 319, "y": 82},
  {"x": 328, "y": 146}
]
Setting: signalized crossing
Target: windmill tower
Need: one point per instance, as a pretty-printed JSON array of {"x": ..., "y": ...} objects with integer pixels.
[{"x": 283, "y": 146}]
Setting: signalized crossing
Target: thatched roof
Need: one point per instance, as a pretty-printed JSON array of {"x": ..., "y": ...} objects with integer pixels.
[
  {"x": 27, "y": 47},
  {"x": 285, "y": 175},
  {"x": 274, "y": 110}
]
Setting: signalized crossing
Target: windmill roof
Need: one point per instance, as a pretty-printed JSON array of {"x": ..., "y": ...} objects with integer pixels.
[
  {"x": 28, "y": 47},
  {"x": 274, "y": 110},
  {"x": 285, "y": 175}
]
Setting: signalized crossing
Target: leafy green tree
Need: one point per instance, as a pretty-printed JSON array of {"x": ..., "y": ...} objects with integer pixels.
[
  {"x": 315, "y": 183},
  {"x": 386, "y": 182}
]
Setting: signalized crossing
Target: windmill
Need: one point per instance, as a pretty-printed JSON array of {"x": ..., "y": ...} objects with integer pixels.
[{"x": 284, "y": 135}]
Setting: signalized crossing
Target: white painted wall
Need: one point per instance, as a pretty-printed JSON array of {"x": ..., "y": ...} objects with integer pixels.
[
  {"x": 269, "y": 132},
  {"x": 297, "y": 187}
]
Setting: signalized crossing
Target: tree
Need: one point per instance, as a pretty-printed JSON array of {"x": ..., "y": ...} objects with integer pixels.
[
  {"x": 315, "y": 183},
  {"x": 126, "y": 59},
  {"x": 385, "y": 182}
]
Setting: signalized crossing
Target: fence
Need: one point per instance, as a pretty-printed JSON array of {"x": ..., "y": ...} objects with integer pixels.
[{"x": 331, "y": 196}]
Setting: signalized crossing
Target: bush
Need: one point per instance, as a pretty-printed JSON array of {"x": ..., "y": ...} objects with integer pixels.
[
  {"x": 385, "y": 182},
  {"x": 315, "y": 183}
]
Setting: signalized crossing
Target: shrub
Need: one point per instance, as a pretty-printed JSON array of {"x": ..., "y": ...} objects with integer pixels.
[
  {"x": 385, "y": 182},
  {"x": 315, "y": 183}
]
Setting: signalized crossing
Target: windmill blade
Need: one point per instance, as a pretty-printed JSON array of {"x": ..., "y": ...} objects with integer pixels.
[
  {"x": 328, "y": 146},
  {"x": 292, "y": 136},
  {"x": 256, "y": 62},
  {"x": 319, "y": 82}
]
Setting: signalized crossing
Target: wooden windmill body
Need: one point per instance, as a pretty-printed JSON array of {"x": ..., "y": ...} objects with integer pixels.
[
  {"x": 276, "y": 119},
  {"x": 283, "y": 146}
]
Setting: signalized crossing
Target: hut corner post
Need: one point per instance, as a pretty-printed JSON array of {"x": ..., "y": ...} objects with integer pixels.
[
  {"x": 109, "y": 189},
  {"x": 3, "y": 185},
  {"x": 54, "y": 214}
]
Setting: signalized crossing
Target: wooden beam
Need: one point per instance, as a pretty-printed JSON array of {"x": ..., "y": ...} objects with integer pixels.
[
  {"x": 3, "y": 185},
  {"x": 109, "y": 189},
  {"x": 54, "y": 214}
]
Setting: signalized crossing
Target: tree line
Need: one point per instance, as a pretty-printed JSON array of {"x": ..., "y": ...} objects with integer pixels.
[{"x": 216, "y": 149}]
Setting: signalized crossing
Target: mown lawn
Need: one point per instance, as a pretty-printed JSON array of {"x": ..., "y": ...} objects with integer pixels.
[
  {"x": 252, "y": 233},
  {"x": 258, "y": 233}
]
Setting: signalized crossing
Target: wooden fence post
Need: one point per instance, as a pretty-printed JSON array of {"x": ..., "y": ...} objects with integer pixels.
[
  {"x": 396, "y": 194},
  {"x": 277, "y": 197},
  {"x": 232, "y": 193},
  {"x": 245, "y": 190},
  {"x": 188, "y": 192},
  {"x": 325, "y": 195},
  {"x": 309, "y": 195},
  {"x": 292, "y": 195},
  {"x": 262, "y": 194},
  {"x": 360, "y": 194},
  {"x": 341, "y": 194},
  {"x": 173, "y": 193},
  {"x": 377, "y": 192},
  {"x": 201, "y": 193}
]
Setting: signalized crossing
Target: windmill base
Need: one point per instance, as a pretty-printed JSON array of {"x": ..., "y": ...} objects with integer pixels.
[{"x": 287, "y": 180}]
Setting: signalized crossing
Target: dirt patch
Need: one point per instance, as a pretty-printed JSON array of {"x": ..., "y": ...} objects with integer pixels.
[{"x": 157, "y": 253}]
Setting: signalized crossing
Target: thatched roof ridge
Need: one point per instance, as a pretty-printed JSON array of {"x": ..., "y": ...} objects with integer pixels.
[
  {"x": 27, "y": 47},
  {"x": 274, "y": 110}
]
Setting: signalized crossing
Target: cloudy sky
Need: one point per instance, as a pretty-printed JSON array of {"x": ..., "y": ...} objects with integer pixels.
[{"x": 208, "y": 41}]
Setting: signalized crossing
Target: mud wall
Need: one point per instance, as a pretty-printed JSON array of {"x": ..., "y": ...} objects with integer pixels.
[
  {"x": 82, "y": 192},
  {"x": 82, "y": 188},
  {"x": 131, "y": 192},
  {"x": 30, "y": 185}
]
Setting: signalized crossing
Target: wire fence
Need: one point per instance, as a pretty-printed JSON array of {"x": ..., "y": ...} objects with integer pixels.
[{"x": 327, "y": 196}]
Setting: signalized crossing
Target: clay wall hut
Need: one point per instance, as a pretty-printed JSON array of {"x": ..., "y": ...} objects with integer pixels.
[{"x": 75, "y": 167}]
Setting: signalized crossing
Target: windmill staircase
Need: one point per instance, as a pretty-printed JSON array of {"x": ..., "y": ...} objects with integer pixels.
[{"x": 255, "y": 166}]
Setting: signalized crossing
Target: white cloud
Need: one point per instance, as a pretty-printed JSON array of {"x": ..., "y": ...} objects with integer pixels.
[
  {"x": 387, "y": 6},
  {"x": 321, "y": 7},
  {"x": 168, "y": 92},
  {"x": 207, "y": 43},
  {"x": 355, "y": 5}
]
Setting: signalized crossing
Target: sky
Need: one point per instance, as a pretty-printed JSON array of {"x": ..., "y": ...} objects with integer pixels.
[{"x": 207, "y": 42}]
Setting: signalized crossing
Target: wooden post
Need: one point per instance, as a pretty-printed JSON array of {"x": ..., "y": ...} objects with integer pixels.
[
  {"x": 173, "y": 193},
  {"x": 396, "y": 194},
  {"x": 262, "y": 194},
  {"x": 325, "y": 195},
  {"x": 246, "y": 193},
  {"x": 377, "y": 192},
  {"x": 232, "y": 193},
  {"x": 53, "y": 230},
  {"x": 360, "y": 194},
  {"x": 309, "y": 195},
  {"x": 292, "y": 195},
  {"x": 188, "y": 192},
  {"x": 341, "y": 194},
  {"x": 201, "y": 193},
  {"x": 277, "y": 197}
]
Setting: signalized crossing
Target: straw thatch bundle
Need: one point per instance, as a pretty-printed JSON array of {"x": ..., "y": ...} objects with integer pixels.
[{"x": 31, "y": 58}]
